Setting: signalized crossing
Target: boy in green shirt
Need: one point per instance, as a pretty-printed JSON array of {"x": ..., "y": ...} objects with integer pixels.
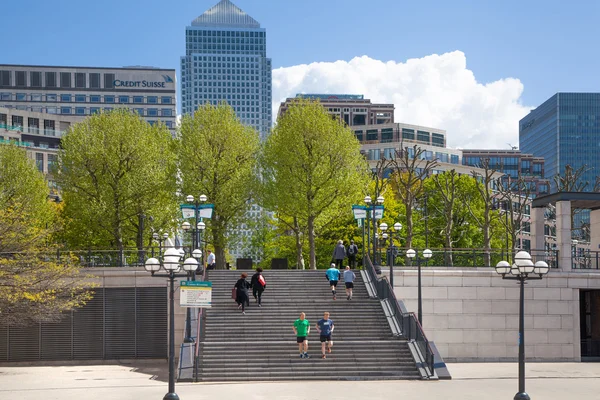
[{"x": 302, "y": 329}]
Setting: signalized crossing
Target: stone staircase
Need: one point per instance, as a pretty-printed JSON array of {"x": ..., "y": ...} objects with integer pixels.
[{"x": 261, "y": 345}]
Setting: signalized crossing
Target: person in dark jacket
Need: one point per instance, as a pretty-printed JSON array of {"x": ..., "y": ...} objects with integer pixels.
[
  {"x": 242, "y": 286},
  {"x": 339, "y": 253},
  {"x": 258, "y": 285}
]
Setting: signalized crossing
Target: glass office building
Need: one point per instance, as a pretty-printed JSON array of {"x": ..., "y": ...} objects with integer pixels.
[
  {"x": 226, "y": 60},
  {"x": 565, "y": 130}
]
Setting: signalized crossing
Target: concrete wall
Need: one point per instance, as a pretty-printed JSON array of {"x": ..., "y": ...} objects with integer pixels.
[{"x": 472, "y": 315}]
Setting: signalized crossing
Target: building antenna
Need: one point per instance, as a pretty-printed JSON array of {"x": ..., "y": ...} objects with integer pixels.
[{"x": 513, "y": 147}]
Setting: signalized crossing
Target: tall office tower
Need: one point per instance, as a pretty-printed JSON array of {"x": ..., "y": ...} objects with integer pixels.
[
  {"x": 226, "y": 60},
  {"x": 565, "y": 130}
]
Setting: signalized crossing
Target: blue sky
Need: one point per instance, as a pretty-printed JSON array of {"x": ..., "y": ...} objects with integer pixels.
[
  {"x": 476, "y": 67},
  {"x": 549, "y": 45}
]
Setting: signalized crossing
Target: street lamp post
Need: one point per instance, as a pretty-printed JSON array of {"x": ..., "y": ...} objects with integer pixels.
[
  {"x": 379, "y": 202},
  {"x": 522, "y": 269},
  {"x": 171, "y": 265},
  {"x": 410, "y": 253},
  {"x": 366, "y": 248},
  {"x": 160, "y": 239}
]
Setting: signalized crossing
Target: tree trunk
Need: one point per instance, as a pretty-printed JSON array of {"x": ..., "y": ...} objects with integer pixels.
[
  {"x": 299, "y": 259},
  {"x": 311, "y": 243},
  {"x": 409, "y": 224},
  {"x": 486, "y": 238}
]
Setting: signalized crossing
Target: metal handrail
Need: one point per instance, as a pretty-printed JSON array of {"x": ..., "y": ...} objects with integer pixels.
[
  {"x": 198, "y": 333},
  {"x": 404, "y": 320}
]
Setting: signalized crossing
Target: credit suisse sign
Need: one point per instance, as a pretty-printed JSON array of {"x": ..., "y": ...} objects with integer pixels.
[{"x": 144, "y": 83}]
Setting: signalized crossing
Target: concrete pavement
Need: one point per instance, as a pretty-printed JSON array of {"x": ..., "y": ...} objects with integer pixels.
[{"x": 470, "y": 381}]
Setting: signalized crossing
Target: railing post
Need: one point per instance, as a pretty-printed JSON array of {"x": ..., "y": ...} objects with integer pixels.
[{"x": 474, "y": 258}]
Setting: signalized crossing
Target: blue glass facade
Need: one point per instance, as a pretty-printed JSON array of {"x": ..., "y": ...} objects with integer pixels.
[
  {"x": 226, "y": 60},
  {"x": 565, "y": 130}
]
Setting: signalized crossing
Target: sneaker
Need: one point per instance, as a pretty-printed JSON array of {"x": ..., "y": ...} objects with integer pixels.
[
  {"x": 323, "y": 356},
  {"x": 329, "y": 349},
  {"x": 348, "y": 298},
  {"x": 301, "y": 355},
  {"x": 334, "y": 297},
  {"x": 239, "y": 307},
  {"x": 306, "y": 355},
  {"x": 243, "y": 312},
  {"x": 260, "y": 305}
]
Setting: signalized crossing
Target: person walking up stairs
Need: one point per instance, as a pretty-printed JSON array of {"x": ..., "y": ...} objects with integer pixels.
[{"x": 333, "y": 275}]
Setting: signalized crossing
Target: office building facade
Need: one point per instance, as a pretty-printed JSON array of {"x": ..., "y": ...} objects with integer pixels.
[
  {"x": 83, "y": 91},
  {"x": 564, "y": 130},
  {"x": 226, "y": 60}
]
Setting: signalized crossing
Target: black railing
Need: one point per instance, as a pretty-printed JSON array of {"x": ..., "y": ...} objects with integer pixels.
[
  {"x": 200, "y": 321},
  {"x": 467, "y": 258},
  {"x": 407, "y": 322},
  {"x": 585, "y": 259}
]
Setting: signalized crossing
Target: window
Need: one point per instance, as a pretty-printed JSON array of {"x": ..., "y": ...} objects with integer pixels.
[
  {"x": 5, "y": 96},
  {"x": 4, "y": 78},
  {"x": 80, "y": 110},
  {"x": 152, "y": 112},
  {"x": 374, "y": 154},
  {"x": 35, "y": 79},
  {"x": 51, "y": 110},
  {"x": 51, "y": 79},
  {"x": 152, "y": 100},
  {"x": 51, "y": 97},
  {"x": 165, "y": 100},
  {"x": 80, "y": 80},
  {"x": 17, "y": 120},
  {"x": 95, "y": 80},
  {"x": 140, "y": 111},
  {"x": 138, "y": 99},
  {"x": 123, "y": 99},
  {"x": 65, "y": 110},
  {"x": 36, "y": 97},
  {"x": 51, "y": 162},
  {"x": 372, "y": 135},
  {"x": 21, "y": 97},
  {"x": 94, "y": 98},
  {"x": 359, "y": 135},
  {"x": 65, "y": 79},
  {"x": 109, "y": 81},
  {"x": 387, "y": 135},
  {"x": 167, "y": 112},
  {"x": 109, "y": 99},
  {"x": 39, "y": 161},
  {"x": 20, "y": 79},
  {"x": 80, "y": 98},
  {"x": 423, "y": 136},
  {"x": 408, "y": 134},
  {"x": 169, "y": 124},
  {"x": 454, "y": 159},
  {"x": 94, "y": 110},
  {"x": 65, "y": 98}
]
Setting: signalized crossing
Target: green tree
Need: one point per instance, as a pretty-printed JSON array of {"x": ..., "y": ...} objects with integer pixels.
[
  {"x": 311, "y": 168},
  {"x": 115, "y": 170},
  {"x": 33, "y": 286},
  {"x": 217, "y": 157}
]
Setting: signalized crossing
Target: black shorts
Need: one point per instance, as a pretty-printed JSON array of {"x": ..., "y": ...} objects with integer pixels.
[
  {"x": 300, "y": 339},
  {"x": 325, "y": 338},
  {"x": 349, "y": 285},
  {"x": 333, "y": 283}
]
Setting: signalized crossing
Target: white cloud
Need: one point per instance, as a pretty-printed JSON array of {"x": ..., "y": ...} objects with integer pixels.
[{"x": 437, "y": 91}]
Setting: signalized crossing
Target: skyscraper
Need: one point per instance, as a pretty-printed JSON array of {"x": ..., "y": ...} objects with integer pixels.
[
  {"x": 226, "y": 60},
  {"x": 565, "y": 130}
]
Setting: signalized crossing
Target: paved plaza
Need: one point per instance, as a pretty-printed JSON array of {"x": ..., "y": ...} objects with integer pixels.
[{"x": 547, "y": 381}]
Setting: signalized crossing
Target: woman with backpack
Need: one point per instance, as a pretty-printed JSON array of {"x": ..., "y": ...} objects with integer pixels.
[
  {"x": 258, "y": 285},
  {"x": 241, "y": 287}
]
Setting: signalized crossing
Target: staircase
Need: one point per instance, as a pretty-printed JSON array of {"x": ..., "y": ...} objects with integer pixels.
[{"x": 261, "y": 345}]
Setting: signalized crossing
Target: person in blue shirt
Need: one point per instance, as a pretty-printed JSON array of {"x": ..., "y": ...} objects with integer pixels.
[
  {"x": 333, "y": 276},
  {"x": 325, "y": 329}
]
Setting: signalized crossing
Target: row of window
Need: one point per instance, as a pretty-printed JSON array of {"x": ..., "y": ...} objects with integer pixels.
[
  {"x": 82, "y": 98},
  {"x": 148, "y": 112},
  {"x": 390, "y": 153}
]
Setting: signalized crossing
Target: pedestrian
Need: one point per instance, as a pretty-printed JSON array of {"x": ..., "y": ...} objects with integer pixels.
[
  {"x": 333, "y": 276},
  {"x": 352, "y": 253},
  {"x": 349, "y": 278},
  {"x": 301, "y": 330},
  {"x": 242, "y": 286},
  {"x": 211, "y": 261},
  {"x": 325, "y": 329},
  {"x": 339, "y": 253},
  {"x": 258, "y": 285}
]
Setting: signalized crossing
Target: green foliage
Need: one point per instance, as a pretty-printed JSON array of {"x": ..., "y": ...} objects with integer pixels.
[
  {"x": 312, "y": 169},
  {"x": 114, "y": 169},
  {"x": 217, "y": 157},
  {"x": 32, "y": 287}
]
